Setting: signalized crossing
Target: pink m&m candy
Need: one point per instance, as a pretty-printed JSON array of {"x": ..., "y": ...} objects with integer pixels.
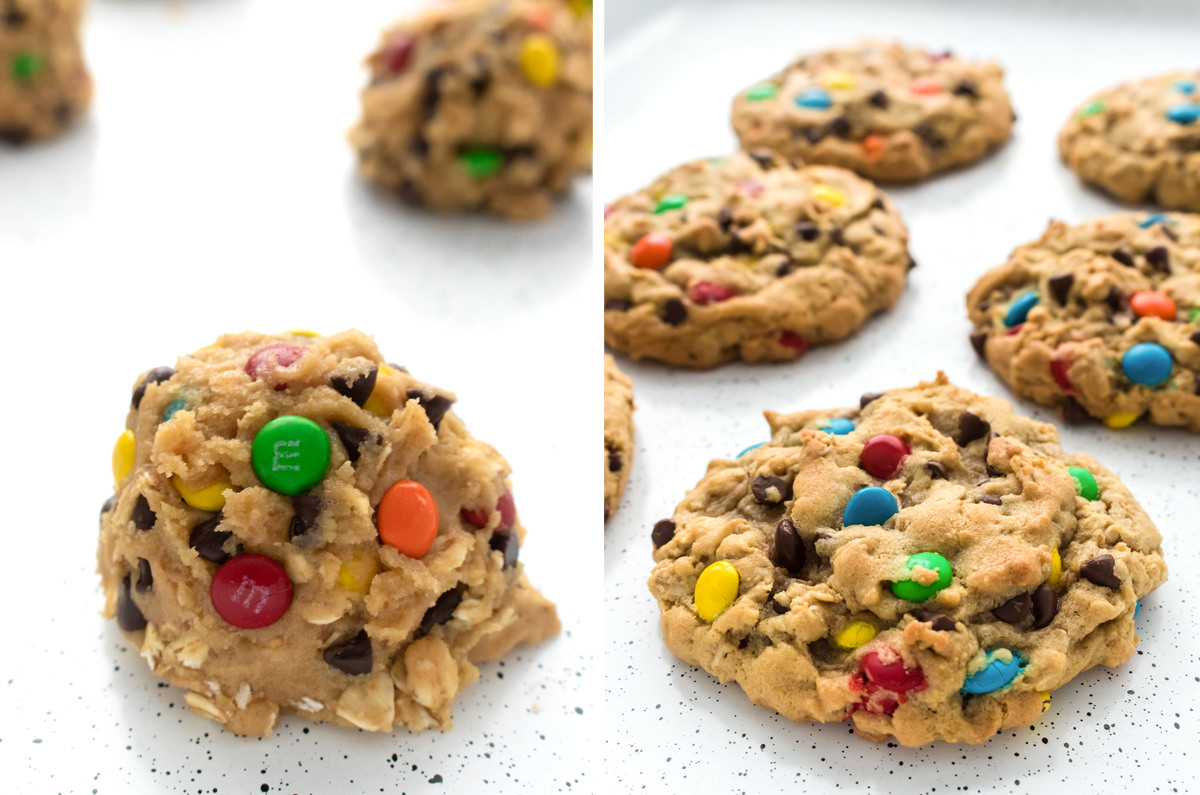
[
  {"x": 251, "y": 591},
  {"x": 710, "y": 293},
  {"x": 271, "y": 357}
]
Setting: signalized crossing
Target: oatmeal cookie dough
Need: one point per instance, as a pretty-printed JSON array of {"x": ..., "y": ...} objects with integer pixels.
[
  {"x": 44, "y": 84},
  {"x": 618, "y": 434},
  {"x": 1099, "y": 319},
  {"x": 885, "y": 111},
  {"x": 299, "y": 527},
  {"x": 926, "y": 565},
  {"x": 481, "y": 104},
  {"x": 748, "y": 257},
  {"x": 1140, "y": 141}
]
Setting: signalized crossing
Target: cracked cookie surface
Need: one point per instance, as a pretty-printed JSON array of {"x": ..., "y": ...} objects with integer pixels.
[
  {"x": 926, "y": 565},
  {"x": 300, "y": 527},
  {"x": 44, "y": 82},
  {"x": 883, "y": 110},
  {"x": 747, "y": 257},
  {"x": 480, "y": 105},
  {"x": 1140, "y": 141},
  {"x": 1099, "y": 319},
  {"x": 618, "y": 434}
]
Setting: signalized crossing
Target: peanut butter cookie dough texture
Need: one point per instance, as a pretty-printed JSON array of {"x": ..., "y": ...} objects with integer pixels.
[
  {"x": 44, "y": 84},
  {"x": 300, "y": 527},
  {"x": 481, "y": 104}
]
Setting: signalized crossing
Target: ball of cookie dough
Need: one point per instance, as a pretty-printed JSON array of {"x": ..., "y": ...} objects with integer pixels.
[
  {"x": 485, "y": 104},
  {"x": 747, "y": 257},
  {"x": 1139, "y": 141},
  {"x": 44, "y": 84},
  {"x": 885, "y": 111},
  {"x": 299, "y": 527},
  {"x": 1100, "y": 319},
  {"x": 618, "y": 434},
  {"x": 994, "y": 568}
]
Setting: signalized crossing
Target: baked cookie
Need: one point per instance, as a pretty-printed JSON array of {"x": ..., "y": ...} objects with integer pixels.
[
  {"x": 926, "y": 565},
  {"x": 618, "y": 434},
  {"x": 1101, "y": 318},
  {"x": 748, "y": 257},
  {"x": 298, "y": 527},
  {"x": 887, "y": 112},
  {"x": 1140, "y": 141},
  {"x": 44, "y": 84},
  {"x": 482, "y": 104}
]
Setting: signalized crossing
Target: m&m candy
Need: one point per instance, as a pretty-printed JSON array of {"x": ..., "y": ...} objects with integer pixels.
[
  {"x": 884, "y": 454},
  {"x": 716, "y": 589},
  {"x": 1019, "y": 309},
  {"x": 290, "y": 454},
  {"x": 1085, "y": 483},
  {"x": 814, "y": 98},
  {"x": 1000, "y": 668},
  {"x": 915, "y": 591},
  {"x": 870, "y": 506},
  {"x": 1146, "y": 363},
  {"x": 652, "y": 251},
  {"x": 251, "y": 591},
  {"x": 1184, "y": 113},
  {"x": 837, "y": 426},
  {"x": 539, "y": 60},
  {"x": 407, "y": 518}
]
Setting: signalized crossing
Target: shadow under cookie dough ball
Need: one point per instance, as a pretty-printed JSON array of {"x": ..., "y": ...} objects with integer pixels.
[
  {"x": 480, "y": 105},
  {"x": 300, "y": 528},
  {"x": 1140, "y": 141},
  {"x": 44, "y": 83},
  {"x": 882, "y": 110}
]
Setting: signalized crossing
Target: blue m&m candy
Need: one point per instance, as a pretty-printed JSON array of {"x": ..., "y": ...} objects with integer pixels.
[
  {"x": 1155, "y": 218},
  {"x": 1184, "y": 113},
  {"x": 1002, "y": 666},
  {"x": 1146, "y": 363},
  {"x": 838, "y": 426},
  {"x": 814, "y": 98},
  {"x": 1185, "y": 86},
  {"x": 872, "y": 505},
  {"x": 1019, "y": 310}
]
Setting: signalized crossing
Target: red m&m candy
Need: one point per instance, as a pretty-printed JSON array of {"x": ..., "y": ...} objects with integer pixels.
[
  {"x": 886, "y": 669},
  {"x": 883, "y": 454},
  {"x": 251, "y": 591},
  {"x": 398, "y": 53},
  {"x": 1058, "y": 371},
  {"x": 271, "y": 357},
  {"x": 710, "y": 293},
  {"x": 653, "y": 251}
]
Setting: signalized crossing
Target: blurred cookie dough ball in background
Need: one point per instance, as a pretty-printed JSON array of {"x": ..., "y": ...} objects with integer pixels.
[
  {"x": 44, "y": 84},
  {"x": 480, "y": 105}
]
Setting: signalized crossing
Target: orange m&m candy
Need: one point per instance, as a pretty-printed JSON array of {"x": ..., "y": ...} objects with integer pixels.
[
  {"x": 652, "y": 251},
  {"x": 873, "y": 147},
  {"x": 925, "y": 87},
  {"x": 1152, "y": 303},
  {"x": 407, "y": 518}
]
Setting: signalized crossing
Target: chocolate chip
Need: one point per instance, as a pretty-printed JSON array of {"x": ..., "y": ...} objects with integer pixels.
[
  {"x": 1045, "y": 606},
  {"x": 64, "y": 112},
  {"x": 1159, "y": 259},
  {"x": 614, "y": 460},
  {"x": 807, "y": 230},
  {"x": 664, "y": 531},
  {"x": 14, "y": 18},
  {"x": 836, "y": 237},
  {"x": 939, "y": 621},
  {"x": 209, "y": 542},
  {"x": 306, "y": 510},
  {"x": 990, "y": 499},
  {"x": 617, "y": 305},
  {"x": 1100, "y": 570},
  {"x": 1195, "y": 338},
  {"x": 358, "y": 389},
  {"x": 145, "y": 579},
  {"x": 108, "y": 505},
  {"x": 1196, "y": 388},
  {"x": 1122, "y": 256},
  {"x": 785, "y": 267},
  {"x": 524, "y": 150},
  {"x": 764, "y": 158},
  {"x": 442, "y": 610},
  {"x": 978, "y": 341},
  {"x": 350, "y": 437},
  {"x": 673, "y": 312},
  {"x": 870, "y": 397},
  {"x": 507, "y": 544},
  {"x": 419, "y": 146},
  {"x": 724, "y": 218},
  {"x": 399, "y": 367},
  {"x": 129, "y": 617},
  {"x": 912, "y": 263},
  {"x": 1014, "y": 609},
  {"x": 435, "y": 405},
  {"x": 433, "y": 90},
  {"x": 967, "y": 88},
  {"x": 143, "y": 518},
  {"x": 1060, "y": 287},
  {"x": 1168, "y": 231},
  {"x": 840, "y": 127},
  {"x": 789, "y": 549},
  {"x": 353, "y": 656},
  {"x": 1114, "y": 299},
  {"x": 770, "y": 489},
  {"x": 1073, "y": 412},
  {"x": 155, "y": 376},
  {"x": 927, "y": 134},
  {"x": 812, "y": 133},
  {"x": 878, "y": 203},
  {"x": 937, "y": 470},
  {"x": 777, "y": 607},
  {"x": 971, "y": 427},
  {"x": 739, "y": 246},
  {"x": 14, "y": 135},
  {"x": 879, "y": 99},
  {"x": 483, "y": 76}
]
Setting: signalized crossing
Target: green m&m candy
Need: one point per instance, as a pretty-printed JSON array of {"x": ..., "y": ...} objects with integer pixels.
[
  {"x": 1085, "y": 483},
  {"x": 914, "y": 591},
  {"x": 290, "y": 454},
  {"x": 762, "y": 91},
  {"x": 482, "y": 161}
]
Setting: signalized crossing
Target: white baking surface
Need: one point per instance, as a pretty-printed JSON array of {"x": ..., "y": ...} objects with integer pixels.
[
  {"x": 211, "y": 189},
  {"x": 670, "y": 78}
]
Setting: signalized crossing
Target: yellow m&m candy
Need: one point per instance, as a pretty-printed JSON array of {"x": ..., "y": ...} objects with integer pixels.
[
  {"x": 1045, "y": 694},
  {"x": 1122, "y": 420},
  {"x": 209, "y": 498},
  {"x": 716, "y": 589},
  {"x": 355, "y": 575},
  {"x": 854, "y": 635},
  {"x": 122, "y": 456},
  {"x": 539, "y": 59},
  {"x": 1055, "y": 568},
  {"x": 831, "y": 196}
]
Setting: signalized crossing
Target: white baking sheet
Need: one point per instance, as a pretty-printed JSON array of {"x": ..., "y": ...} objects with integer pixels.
[
  {"x": 670, "y": 77},
  {"x": 211, "y": 189}
]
